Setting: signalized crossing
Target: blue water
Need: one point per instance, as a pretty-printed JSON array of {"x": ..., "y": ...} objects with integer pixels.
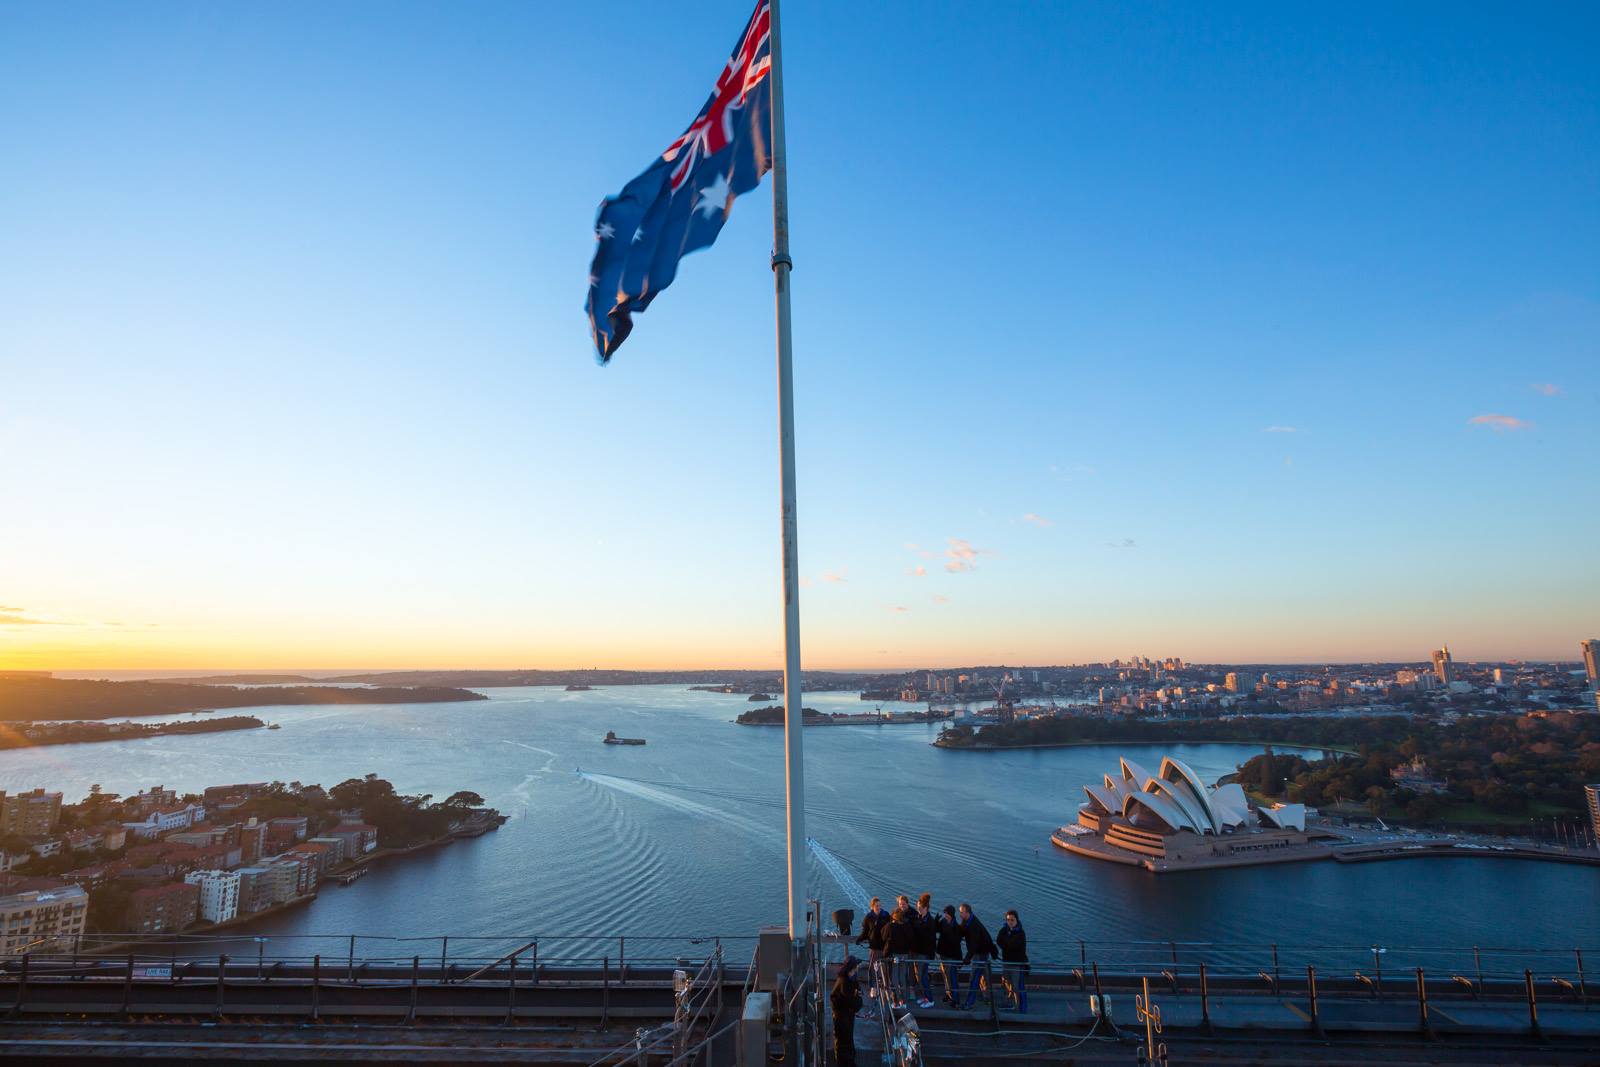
[{"x": 685, "y": 835}]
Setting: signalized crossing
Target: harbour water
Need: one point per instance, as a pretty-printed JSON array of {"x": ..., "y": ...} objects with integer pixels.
[{"x": 685, "y": 834}]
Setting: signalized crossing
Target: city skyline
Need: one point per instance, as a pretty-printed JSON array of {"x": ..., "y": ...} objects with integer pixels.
[{"x": 1302, "y": 368}]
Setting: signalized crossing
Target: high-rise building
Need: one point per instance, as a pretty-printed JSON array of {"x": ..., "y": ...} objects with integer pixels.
[
  {"x": 1236, "y": 682},
  {"x": 166, "y": 908},
  {"x": 1591, "y": 793},
  {"x": 219, "y": 894},
  {"x": 32, "y": 814},
  {"x": 1591, "y": 660},
  {"x": 42, "y": 919},
  {"x": 1444, "y": 666}
]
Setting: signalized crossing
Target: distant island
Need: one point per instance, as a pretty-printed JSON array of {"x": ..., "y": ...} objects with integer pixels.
[
  {"x": 773, "y": 716},
  {"x": 78, "y": 733},
  {"x": 29, "y": 698},
  {"x": 711, "y": 679},
  {"x": 243, "y": 679}
]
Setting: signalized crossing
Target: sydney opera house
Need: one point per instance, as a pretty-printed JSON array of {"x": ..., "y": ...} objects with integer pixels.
[{"x": 1172, "y": 819}]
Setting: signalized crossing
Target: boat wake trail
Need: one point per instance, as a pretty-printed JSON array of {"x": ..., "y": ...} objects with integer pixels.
[
  {"x": 644, "y": 791},
  {"x": 547, "y": 765},
  {"x": 847, "y": 882}
]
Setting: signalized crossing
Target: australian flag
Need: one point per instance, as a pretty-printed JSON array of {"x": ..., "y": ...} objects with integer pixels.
[{"x": 679, "y": 204}]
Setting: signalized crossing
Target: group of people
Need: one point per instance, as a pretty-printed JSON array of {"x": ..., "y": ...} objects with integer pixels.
[{"x": 902, "y": 947}]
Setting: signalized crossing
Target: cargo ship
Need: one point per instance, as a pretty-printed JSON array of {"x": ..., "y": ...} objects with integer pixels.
[{"x": 612, "y": 739}]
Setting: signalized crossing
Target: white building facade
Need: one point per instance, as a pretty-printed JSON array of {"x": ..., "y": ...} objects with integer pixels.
[{"x": 219, "y": 894}]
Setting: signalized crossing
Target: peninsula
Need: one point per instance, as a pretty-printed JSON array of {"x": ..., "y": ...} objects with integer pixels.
[
  {"x": 80, "y": 733},
  {"x": 161, "y": 862},
  {"x": 34, "y": 698}
]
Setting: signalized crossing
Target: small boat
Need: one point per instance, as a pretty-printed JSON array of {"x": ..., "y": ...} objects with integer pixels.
[
  {"x": 580, "y": 688},
  {"x": 611, "y": 738},
  {"x": 274, "y": 726}
]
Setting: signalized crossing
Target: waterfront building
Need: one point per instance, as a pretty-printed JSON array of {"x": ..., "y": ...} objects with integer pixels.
[
  {"x": 338, "y": 849},
  {"x": 42, "y": 920},
  {"x": 252, "y": 840},
  {"x": 219, "y": 894},
  {"x": 216, "y": 794},
  {"x": 32, "y": 814},
  {"x": 295, "y": 827},
  {"x": 160, "y": 821},
  {"x": 1591, "y": 793},
  {"x": 1172, "y": 819},
  {"x": 157, "y": 796},
  {"x": 1591, "y": 661},
  {"x": 360, "y": 837},
  {"x": 255, "y": 889},
  {"x": 160, "y": 909},
  {"x": 1443, "y": 666}
]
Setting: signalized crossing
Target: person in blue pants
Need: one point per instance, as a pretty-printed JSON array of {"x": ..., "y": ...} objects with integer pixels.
[{"x": 980, "y": 950}]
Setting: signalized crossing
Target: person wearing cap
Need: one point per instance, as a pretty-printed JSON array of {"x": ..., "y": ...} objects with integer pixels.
[{"x": 845, "y": 1000}]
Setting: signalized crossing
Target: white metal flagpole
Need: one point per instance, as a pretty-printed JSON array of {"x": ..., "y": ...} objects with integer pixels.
[{"x": 793, "y": 716}]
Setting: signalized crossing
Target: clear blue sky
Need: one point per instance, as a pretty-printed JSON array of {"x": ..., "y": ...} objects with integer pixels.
[{"x": 294, "y": 370}]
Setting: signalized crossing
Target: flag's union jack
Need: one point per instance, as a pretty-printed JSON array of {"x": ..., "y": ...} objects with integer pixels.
[
  {"x": 712, "y": 131},
  {"x": 679, "y": 204}
]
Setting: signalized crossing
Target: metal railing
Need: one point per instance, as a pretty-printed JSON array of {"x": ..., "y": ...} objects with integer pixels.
[{"x": 445, "y": 957}]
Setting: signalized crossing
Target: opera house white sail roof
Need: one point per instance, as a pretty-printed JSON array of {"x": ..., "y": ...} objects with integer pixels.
[{"x": 1174, "y": 799}]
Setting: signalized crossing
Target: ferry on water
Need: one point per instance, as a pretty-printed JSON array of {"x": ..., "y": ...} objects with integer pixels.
[{"x": 611, "y": 738}]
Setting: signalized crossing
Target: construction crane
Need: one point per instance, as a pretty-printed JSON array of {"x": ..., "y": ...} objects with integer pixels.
[{"x": 1005, "y": 710}]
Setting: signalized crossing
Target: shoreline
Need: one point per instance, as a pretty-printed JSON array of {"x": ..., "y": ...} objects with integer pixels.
[
  {"x": 466, "y": 833},
  {"x": 141, "y": 733},
  {"x": 1148, "y": 741}
]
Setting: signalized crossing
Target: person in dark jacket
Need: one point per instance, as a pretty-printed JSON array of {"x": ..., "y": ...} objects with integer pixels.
[
  {"x": 980, "y": 950},
  {"x": 845, "y": 1000},
  {"x": 874, "y": 934},
  {"x": 1013, "y": 942},
  {"x": 902, "y": 943},
  {"x": 947, "y": 943},
  {"x": 922, "y": 925}
]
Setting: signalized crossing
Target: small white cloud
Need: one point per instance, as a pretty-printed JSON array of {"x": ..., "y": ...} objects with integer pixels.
[
  {"x": 918, "y": 572},
  {"x": 1037, "y": 520},
  {"x": 1126, "y": 542},
  {"x": 937, "y": 599},
  {"x": 961, "y": 556},
  {"x": 834, "y": 577},
  {"x": 1500, "y": 423},
  {"x": 1281, "y": 429},
  {"x": 899, "y": 609},
  {"x": 1546, "y": 388}
]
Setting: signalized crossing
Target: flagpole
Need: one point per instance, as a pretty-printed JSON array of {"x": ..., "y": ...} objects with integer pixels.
[{"x": 793, "y": 715}]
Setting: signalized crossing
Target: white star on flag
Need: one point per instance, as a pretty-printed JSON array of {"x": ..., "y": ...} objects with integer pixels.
[
  {"x": 714, "y": 197},
  {"x": 638, "y": 235},
  {"x": 604, "y": 230}
]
